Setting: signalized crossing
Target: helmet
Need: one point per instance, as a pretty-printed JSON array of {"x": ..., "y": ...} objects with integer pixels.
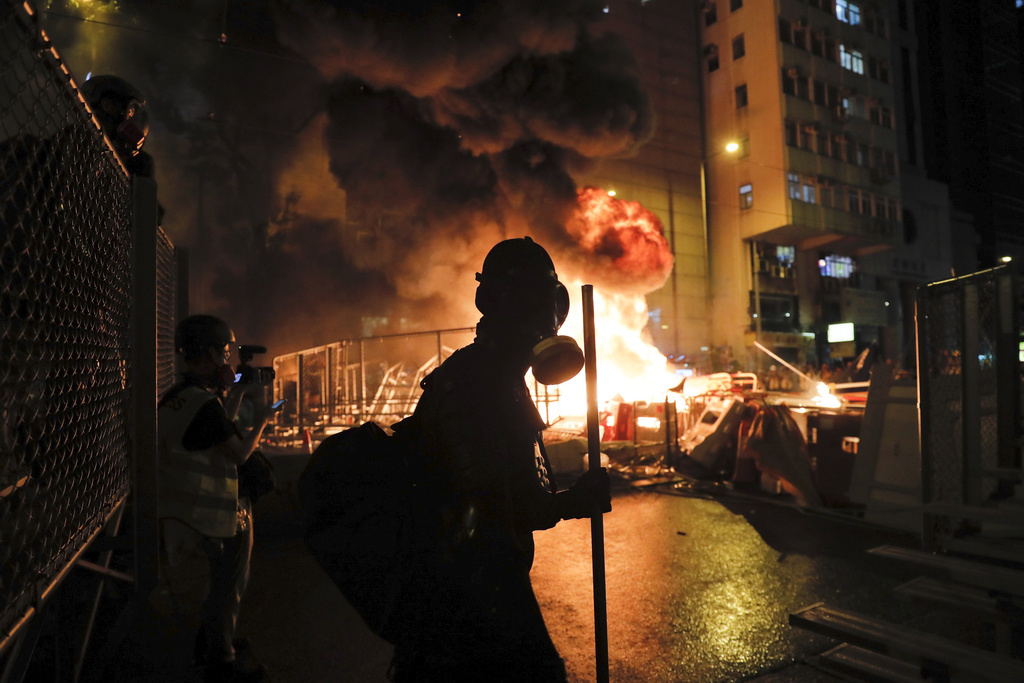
[
  {"x": 197, "y": 333},
  {"x": 517, "y": 278},
  {"x": 520, "y": 295},
  {"x": 124, "y": 120}
]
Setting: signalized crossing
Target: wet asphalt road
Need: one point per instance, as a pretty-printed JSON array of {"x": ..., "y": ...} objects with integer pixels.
[
  {"x": 699, "y": 589},
  {"x": 695, "y": 593}
]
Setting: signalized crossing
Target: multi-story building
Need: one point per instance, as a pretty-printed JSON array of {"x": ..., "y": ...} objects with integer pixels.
[{"x": 803, "y": 182}]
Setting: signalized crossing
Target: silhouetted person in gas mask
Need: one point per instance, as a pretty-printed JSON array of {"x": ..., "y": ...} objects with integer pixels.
[{"x": 477, "y": 618}]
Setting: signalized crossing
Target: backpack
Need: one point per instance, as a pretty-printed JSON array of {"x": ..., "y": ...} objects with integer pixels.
[{"x": 370, "y": 517}]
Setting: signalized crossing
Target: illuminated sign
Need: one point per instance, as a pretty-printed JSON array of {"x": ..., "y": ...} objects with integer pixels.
[{"x": 841, "y": 332}]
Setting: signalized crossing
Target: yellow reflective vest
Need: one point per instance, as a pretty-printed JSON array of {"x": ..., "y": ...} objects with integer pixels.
[{"x": 198, "y": 487}]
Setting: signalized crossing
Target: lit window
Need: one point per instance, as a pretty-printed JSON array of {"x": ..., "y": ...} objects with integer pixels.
[
  {"x": 738, "y": 47},
  {"x": 809, "y": 194},
  {"x": 851, "y": 59},
  {"x": 794, "y": 185},
  {"x": 835, "y": 265},
  {"x": 746, "y": 196},
  {"x": 841, "y": 10},
  {"x": 741, "y": 96},
  {"x": 848, "y": 12}
]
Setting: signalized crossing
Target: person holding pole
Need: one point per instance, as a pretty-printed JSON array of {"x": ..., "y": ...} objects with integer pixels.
[{"x": 475, "y": 616}]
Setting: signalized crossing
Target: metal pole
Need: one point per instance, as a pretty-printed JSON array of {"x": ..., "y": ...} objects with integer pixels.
[
  {"x": 924, "y": 413},
  {"x": 142, "y": 357},
  {"x": 594, "y": 461}
]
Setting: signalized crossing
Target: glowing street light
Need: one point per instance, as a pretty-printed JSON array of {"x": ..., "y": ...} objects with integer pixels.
[
  {"x": 732, "y": 147},
  {"x": 1006, "y": 259}
]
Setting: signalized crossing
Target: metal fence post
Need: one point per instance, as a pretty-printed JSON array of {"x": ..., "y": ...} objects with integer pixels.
[
  {"x": 924, "y": 413},
  {"x": 144, "y": 385}
]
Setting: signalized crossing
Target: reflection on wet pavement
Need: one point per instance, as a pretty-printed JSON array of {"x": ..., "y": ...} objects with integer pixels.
[{"x": 694, "y": 593}]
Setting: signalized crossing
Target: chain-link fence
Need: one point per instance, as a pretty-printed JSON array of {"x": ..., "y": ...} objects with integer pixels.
[
  {"x": 968, "y": 368},
  {"x": 66, "y": 330}
]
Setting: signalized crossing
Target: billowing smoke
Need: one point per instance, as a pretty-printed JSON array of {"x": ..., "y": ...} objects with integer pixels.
[
  {"x": 359, "y": 157},
  {"x": 456, "y": 124}
]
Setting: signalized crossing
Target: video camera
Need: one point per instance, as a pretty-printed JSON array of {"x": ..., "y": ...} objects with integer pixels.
[{"x": 251, "y": 374}]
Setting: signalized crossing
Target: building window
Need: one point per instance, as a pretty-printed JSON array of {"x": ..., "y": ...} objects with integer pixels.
[
  {"x": 819, "y": 93},
  {"x": 738, "y": 48},
  {"x": 833, "y": 95},
  {"x": 866, "y": 205},
  {"x": 809, "y": 193},
  {"x": 838, "y": 146},
  {"x": 854, "y": 196},
  {"x": 862, "y": 154},
  {"x": 741, "y": 96},
  {"x": 794, "y": 185},
  {"x": 735, "y": 5},
  {"x": 789, "y": 81},
  {"x": 744, "y": 147},
  {"x": 807, "y": 137},
  {"x": 800, "y": 37},
  {"x": 711, "y": 56},
  {"x": 825, "y": 196},
  {"x": 851, "y": 59},
  {"x": 889, "y": 162},
  {"x": 785, "y": 30},
  {"x": 848, "y": 12},
  {"x": 822, "y": 144},
  {"x": 834, "y": 265},
  {"x": 885, "y": 117},
  {"x": 746, "y": 196},
  {"x": 818, "y": 44},
  {"x": 831, "y": 49},
  {"x": 710, "y": 12},
  {"x": 791, "y": 138}
]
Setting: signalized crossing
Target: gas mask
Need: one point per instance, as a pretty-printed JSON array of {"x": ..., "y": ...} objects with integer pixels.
[
  {"x": 556, "y": 358},
  {"x": 519, "y": 288}
]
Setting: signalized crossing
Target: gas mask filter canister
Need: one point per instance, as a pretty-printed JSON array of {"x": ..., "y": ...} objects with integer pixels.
[{"x": 556, "y": 359}]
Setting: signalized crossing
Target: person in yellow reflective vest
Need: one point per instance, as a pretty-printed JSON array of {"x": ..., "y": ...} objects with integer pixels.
[{"x": 205, "y": 527}]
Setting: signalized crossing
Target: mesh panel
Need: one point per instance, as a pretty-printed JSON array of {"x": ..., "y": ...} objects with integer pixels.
[
  {"x": 955, "y": 346},
  {"x": 65, "y": 265},
  {"x": 166, "y": 299},
  {"x": 944, "y": 330}
]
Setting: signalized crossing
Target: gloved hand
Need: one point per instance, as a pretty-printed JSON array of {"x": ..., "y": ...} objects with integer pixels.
[{"x": 589, "y": 496}]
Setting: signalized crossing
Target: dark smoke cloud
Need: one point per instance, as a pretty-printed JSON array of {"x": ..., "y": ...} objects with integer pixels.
[
  {"x": 475, "y": 114},
  {"x": 330, "y": 161}
]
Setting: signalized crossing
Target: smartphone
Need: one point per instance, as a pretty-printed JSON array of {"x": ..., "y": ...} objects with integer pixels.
[{"x": 276, "y": 405}]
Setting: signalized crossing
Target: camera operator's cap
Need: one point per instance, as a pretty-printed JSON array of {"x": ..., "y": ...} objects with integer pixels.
[{"x": 197, "y": 332}]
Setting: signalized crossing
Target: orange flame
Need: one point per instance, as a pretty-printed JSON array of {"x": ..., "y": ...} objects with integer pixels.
[
  {"x": 633, "y": 258},
  {"x": 624, "y": 241}
]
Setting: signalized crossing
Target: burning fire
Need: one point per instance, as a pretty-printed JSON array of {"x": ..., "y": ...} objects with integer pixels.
[
  {"x": 624, "y": 242},
  {"x": 627, "y": 243}
]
